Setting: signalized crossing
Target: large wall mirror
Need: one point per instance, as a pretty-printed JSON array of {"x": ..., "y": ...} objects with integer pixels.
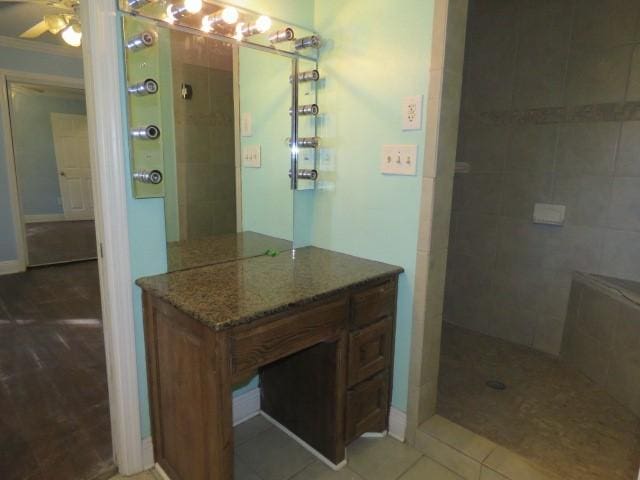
[{"x": 223, "y": 115}]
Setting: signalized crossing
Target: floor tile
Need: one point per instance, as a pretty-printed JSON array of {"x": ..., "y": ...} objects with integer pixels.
[
  {"x": 250, "y": 429},
  {"x": 460, "y": 438},
  {"x": 446, "y": 455},
  {"x": 242, "y": 472},
  {"x": 319, "y": 471},
  {"x": 381, "y": 458},
  {"x": 513, "y": 466},
  {"x": 273, "y": 455},
  {"x": 427, "y": 469}
]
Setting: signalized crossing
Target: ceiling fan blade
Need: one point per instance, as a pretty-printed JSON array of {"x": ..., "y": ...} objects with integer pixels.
[{"x": 35, "y": 31}]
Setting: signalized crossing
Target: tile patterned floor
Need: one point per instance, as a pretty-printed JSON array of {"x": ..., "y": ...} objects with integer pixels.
[
  {"x": 549, "y": 414},
  {"x": 54, "y": 413},
  {"x": 56, "y": 242},
  {"x": 263, "y": 452}
]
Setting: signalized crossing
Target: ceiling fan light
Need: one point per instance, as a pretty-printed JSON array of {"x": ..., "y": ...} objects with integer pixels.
[{"x": 72, "y": 35}]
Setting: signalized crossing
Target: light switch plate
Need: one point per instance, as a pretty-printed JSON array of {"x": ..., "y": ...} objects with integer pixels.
[
  {"x": 412, "y": 113},
  {"x": 399, "y": 159},
  {"x": 246, "y": 124},
  {"x": 251, "y": 156}
]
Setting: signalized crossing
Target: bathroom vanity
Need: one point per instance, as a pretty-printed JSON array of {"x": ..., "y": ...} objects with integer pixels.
[{"x": 318, "y": 328}]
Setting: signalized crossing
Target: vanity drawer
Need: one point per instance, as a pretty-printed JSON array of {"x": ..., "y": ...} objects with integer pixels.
[
  {"x": 254, "y": 346},
  {"x": 369, "y": 350},
  {"x": 367, "y": 407},
  {"x": 373, "y": 304}
]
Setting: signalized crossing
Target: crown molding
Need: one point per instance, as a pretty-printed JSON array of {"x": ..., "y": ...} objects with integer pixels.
[{"x": 40, "y": 47}]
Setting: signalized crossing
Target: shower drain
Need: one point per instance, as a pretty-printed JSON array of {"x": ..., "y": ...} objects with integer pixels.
[{"x": 496, "y": 385}]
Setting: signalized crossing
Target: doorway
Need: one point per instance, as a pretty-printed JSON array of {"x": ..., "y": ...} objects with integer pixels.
[
  {"x": 55, "y": 419},
  {"x": 51, "y": 152}
]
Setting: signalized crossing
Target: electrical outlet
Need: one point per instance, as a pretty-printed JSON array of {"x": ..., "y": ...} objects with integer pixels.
[
  {"x": 246, "y": 124},
  {"x": 251, "y": 156},
  {"x": 399, "y": 159},
  {"x": 412, "y": 113}
]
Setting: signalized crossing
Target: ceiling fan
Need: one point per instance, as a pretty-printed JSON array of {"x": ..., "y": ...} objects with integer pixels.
[{"x": 66, "y": 23}]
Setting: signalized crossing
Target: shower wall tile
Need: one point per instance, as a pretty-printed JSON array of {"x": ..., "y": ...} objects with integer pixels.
[
  {"x": 587, "y": 148},
  {"x": 521, "y": 190},
  {"x": 545, "y": 32},
  {"x": 624, "y": 211},
  {"x": 598, "y": 76},
  {"x": 542, "y": 121},
  {"x": 586, "y": 197},
  {"x": 628, "y": 160},
  {"x": 605, "y": 23},
  {"x": 621, "y": 255},
  {"x": 532, "y": 148}
]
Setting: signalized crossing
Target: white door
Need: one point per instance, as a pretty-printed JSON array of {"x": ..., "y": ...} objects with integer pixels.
[{"x": 71, "y": 144}]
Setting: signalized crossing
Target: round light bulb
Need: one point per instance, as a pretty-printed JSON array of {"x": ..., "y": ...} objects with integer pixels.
[
  {"x": 72, "y": 35},
  {"x": 230, "y": 15},
  {"x": 193, "y": 6},
  {"x": 263, "y": 24}
]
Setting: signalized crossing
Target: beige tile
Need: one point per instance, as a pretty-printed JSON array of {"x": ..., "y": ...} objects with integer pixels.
[
  {"x": 442, "y": 203},
  {"x": 426, "y": 214},
  {"x": 587, "y": 148},
  {"x": 250, "y": 429},
  {"x": 148, "y": 475},
  {"x": 273, "y": 455},
  {"x": 242, "y": 472},
  {"x": 628, "y": 160},
  {"x": 318, "y": 471},
  {"x": 380, "y": 459},
  {"x": 514, "y": 466},
  {"x": 586, "y": 197},
  {"x": 460, "y": 438},
  {"x": 621, "y": 255},
  {"x": 532, "y": 148},
  {"x": 429, "y": 469},
  {"x": 453, "y": 459},
  {"x": 598, "y": 76},
  {"x": 545, "y": 31},
  {"x": 625, "y": 204},
  {"x": 431, "y": 351}
]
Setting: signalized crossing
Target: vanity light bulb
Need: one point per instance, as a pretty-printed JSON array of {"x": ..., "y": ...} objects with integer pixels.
[
  {"x": 230, "y": 15},
  {"x": 263, "y": 24},
  {"x": 193, "y": 6},
  {"x": 72, "y": 35}
]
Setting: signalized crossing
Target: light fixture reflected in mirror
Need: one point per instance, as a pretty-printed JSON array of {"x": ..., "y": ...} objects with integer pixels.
[
  {"x": 188, "y": 7},
  {"x": 261, "y": 25},
  {"x": 72, "y": 35},
  {"x": 139, "y": 3},
  {"x": 228, "y": 15},
  {"x": 284, "y": 35}
]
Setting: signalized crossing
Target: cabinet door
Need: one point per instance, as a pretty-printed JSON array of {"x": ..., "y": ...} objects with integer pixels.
[
  {"x": 369, "y": 351},
  {"x": 367, "y": 407}
]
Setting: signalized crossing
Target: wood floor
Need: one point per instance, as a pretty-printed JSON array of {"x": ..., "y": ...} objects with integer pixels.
[
  {"x": 54, "y": 413},
  {"x": 59, "y": 242},
  {"x": 548, "y": 413}
]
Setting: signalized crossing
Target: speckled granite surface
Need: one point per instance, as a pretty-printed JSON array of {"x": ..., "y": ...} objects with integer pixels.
[
  {"x": 221, "y": 248},
  {"x": 233, "y": 293}
]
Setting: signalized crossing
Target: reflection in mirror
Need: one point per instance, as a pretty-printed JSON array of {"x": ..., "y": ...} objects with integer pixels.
[{"x": 227, "y": 188}]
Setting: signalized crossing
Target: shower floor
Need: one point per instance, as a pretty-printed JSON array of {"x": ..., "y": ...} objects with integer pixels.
[{"x": 549, "y": 414}]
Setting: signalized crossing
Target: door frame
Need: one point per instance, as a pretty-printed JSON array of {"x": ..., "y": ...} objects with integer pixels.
[
  {"x": 17, "y": 215},
  {"x": 102, "y": 82}
]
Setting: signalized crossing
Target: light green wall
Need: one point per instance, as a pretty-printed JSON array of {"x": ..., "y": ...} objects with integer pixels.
[{"x": 377, "y": 52}]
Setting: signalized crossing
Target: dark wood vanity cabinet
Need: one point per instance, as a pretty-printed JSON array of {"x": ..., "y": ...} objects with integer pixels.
[{"x": 325, "y": 367}]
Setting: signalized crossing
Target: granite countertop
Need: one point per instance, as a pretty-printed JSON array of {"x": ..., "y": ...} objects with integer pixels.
[
  {"x": 221, "y": 248},
  {"x": 233, "y": 293}
]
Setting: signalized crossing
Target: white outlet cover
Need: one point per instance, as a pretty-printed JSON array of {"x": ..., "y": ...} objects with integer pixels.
[
  {"x": 399, "y": 160},
  {"x": 412, "y": 113},
  {"x": 251, "y": 156},
  {"x": 246, "y": 124}
]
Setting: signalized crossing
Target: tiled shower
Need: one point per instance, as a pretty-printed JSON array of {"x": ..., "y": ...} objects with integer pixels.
[{"x": 550, "y": 114}]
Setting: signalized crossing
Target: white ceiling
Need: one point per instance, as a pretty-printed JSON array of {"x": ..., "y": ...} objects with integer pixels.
[{"x": 16, "y": 17}]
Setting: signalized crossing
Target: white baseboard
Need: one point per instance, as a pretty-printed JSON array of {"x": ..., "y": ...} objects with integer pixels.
[
  {"x": 147, "y": 453},
  {"x": 47, "y": 217},
  {"x": 247, "y": 405},
  {"x": 11, "y": 266},
  {"x": 397, "y": 424}
]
